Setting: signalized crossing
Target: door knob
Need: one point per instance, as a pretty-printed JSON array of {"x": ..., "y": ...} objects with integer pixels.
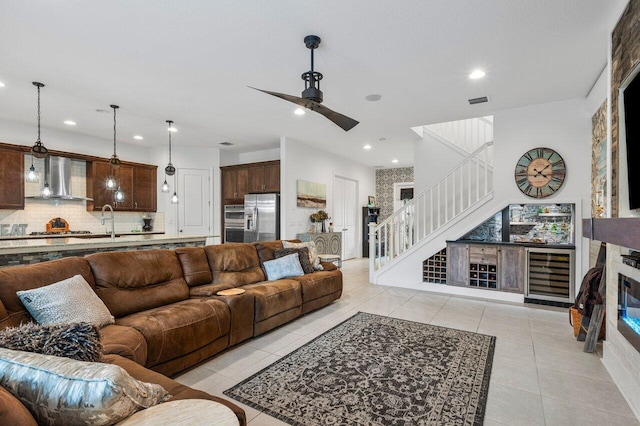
[{"x": 181, "y": 230}]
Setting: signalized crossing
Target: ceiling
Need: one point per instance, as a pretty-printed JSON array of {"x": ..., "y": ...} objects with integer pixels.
[{"x": 191, "y": 61}]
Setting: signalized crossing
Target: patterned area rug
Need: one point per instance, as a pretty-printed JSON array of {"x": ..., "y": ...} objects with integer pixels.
[{"x": 376, "y": 370}]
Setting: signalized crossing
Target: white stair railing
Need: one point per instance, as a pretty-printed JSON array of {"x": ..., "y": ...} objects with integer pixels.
[
  {"x": 467, "y": 184},
  {"x": 467, "y": 134}
]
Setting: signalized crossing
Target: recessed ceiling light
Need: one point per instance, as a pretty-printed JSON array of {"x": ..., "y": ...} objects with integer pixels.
[
  {"x": 477, "y": 74},
  {"x": 2, "y": 84},
  {"x": 69, "y": 122},
  {"x": 299, "y": 111},
  {"x": 395, "y": 160},
  {"x": 138, "y": 137},
  {"x": 366, "y": 146},
  {"x": 373, "y": 97}
]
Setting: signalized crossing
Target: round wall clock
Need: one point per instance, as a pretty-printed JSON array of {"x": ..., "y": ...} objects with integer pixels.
[{"x": 540, "y": 172}]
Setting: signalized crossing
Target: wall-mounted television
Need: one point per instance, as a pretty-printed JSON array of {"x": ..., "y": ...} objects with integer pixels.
[{"x": 630, "y": 91}]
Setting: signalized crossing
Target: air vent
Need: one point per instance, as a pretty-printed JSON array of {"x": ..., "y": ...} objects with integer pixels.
[
  {"x": 226, "y": 143},
  {"x": 478, "y": 100}
]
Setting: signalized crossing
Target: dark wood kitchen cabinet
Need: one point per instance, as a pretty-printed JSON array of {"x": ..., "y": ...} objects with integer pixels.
[
  {"x": 235, "y": 184},
  {"x": 264, "y": 177},
  {"x": 11, "y": 179},
  {"x": 138, "y": 181},
  {"x": 242, "y": 179}
]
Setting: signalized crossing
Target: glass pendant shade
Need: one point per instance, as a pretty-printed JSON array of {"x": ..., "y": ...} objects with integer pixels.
[
  {"x": 111, "y": 183},
  {"x": 119, "y": 195},
  {"x": 174, "y": 198},
  {"x": 32, "y": 174},
  {"x": 38, "y": 150},
  {"x": 46, "y": 191},
  {"x": 165, "y": 186}
]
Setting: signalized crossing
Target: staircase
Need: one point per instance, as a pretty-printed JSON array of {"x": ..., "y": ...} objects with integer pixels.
[
  {"x": 462, "y": 190},
  {"x": 465, "y": 136}
]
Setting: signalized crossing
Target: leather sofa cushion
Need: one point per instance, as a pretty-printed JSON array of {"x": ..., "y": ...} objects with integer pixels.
[
  {"x": 235, "y": 264},
  {"x": 177, "y": 390},
  {"x": 134, "y": 281},
  {"x": 28, "y": 277},
  {"x": 177, "y": 329},
  {"x": 319, "y": 284},
  {"x": 124, "y": 341},
  {"x": 266, "y": 249},
  {"x": 274, "y": 297},
  {"x": 12, "y": 412},
  {"x": 195, "y": 266}
]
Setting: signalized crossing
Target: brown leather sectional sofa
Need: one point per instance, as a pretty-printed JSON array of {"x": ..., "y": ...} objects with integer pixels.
[{"x": 168, "y": 316}]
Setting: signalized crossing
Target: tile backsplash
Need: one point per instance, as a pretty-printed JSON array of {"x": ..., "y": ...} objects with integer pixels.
[{"x": 37, "y": 213}]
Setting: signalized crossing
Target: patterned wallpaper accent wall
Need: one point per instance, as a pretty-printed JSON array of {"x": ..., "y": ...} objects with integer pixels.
[{"x": 385, "y": 178}]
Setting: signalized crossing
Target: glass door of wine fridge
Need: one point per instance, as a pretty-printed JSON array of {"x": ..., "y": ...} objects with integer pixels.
[{"x": 550, "y": 274}]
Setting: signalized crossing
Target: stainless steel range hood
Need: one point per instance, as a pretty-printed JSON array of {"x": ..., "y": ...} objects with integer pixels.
[{"x": 58, "y": 170}]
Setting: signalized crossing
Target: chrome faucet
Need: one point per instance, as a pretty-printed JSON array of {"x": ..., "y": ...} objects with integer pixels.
[{"x": 104, "y": 219}]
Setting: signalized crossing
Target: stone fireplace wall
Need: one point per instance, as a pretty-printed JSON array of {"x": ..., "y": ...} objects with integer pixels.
[{"x": 620, "y": 357}]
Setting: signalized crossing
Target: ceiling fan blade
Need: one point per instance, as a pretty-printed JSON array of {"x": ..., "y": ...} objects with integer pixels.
[{"x": 344, "y": 122}]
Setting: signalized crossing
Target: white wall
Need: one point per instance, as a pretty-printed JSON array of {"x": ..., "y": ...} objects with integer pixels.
[
  {"x": 300, "y": 161},
  {"x": 432, "y": 160},
  {"x": 563, "y": 126},
  {"x": 229, "y": 158}
]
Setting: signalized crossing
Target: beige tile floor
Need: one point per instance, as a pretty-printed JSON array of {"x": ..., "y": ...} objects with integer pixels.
[{"x": 540, "y": 375}]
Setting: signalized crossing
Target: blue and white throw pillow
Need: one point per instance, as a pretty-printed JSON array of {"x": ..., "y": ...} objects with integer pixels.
[{"x": 283, "y": 267}]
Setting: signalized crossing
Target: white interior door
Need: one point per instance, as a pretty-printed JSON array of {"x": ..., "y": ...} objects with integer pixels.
[
  {"x": 346, "y": 215},
  {"x": 194, "y": 208}
]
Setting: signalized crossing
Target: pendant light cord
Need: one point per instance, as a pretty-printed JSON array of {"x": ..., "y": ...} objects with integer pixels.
[
  {"x": 114, "y": 131},
  {"x": 38, "y": 113},
  {"x": 170, "y": 126}
]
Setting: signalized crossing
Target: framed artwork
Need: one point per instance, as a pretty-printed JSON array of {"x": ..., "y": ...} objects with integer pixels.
[
  {"x": 311, "y": 194},
  {"x": 372, "y": 200}
]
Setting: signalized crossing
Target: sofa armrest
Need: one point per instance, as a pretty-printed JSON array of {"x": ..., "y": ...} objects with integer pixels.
[
  {"x": 124, "y": 341},
  {"x": 177, "y": 390},
  {"x": 328, "y": 266},
  {"x": 12, "y": 412}
]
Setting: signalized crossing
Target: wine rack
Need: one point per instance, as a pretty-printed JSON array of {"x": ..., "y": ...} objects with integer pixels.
[
  {"x": 483, "y": 275},
  {"x": 434, "y": 269}
]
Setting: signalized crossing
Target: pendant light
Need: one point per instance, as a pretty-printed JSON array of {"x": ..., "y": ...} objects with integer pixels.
[
  {"x": 170, "y": 170},
  {"x": 114, "y": 161},
  {"x": 32, "y": 173},
  {"x": 165, "y": 185},
  {"x": 38, "y": 149},
  {"x": 46, "y": 190}
]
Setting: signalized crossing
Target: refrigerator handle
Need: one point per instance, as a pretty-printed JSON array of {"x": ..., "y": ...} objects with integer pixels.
[{"x": 256, "y": 223}]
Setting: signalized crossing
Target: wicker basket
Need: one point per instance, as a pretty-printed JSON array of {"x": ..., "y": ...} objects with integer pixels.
[{"x": 575, "y": 319}]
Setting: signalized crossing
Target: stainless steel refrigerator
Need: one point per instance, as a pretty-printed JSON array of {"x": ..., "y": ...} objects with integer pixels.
[{"x": 261, "y": 217}]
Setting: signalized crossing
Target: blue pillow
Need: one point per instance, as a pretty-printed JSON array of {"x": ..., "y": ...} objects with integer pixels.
[{"x": 283, "y": 267}]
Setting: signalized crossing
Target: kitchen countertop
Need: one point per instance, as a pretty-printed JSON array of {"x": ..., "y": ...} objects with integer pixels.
[
  {"x": 32, "y": 245},
  {"x": 519, "y": 244},
  {"x": 85, "y": 236}
]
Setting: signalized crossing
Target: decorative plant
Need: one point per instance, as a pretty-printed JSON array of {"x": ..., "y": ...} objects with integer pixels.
[{"x": 319, "y": 216}]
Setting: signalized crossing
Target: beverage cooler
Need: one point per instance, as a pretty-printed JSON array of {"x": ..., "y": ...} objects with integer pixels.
[{"x": 549, "y": 274}]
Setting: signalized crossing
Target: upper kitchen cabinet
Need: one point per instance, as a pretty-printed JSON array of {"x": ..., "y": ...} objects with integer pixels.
[
  {"x": 137, "y": 181},
  {"x": 264, "y": 177},
  {"x": 235, "y": 184},
  {"x": 11, "y": 179},
  {"x": 242, "y": 179}
]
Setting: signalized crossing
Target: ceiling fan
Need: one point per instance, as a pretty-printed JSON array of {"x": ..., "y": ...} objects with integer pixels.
[{"x": 312, "y": 95}]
